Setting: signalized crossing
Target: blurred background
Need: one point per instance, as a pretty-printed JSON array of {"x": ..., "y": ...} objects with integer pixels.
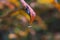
[{"x": 46, "y": 25}]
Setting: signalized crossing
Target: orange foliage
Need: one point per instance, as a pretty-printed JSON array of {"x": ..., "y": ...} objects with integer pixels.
[{"x": 56, "y": 4}]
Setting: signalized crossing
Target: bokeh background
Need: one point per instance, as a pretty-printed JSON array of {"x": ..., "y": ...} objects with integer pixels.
[{"x": 46, "y": 25}]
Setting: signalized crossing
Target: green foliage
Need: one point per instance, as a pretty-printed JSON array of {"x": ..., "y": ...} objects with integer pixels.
[
  {"x": 58, "y": 1},
  {"x": 28, "y": 1}
]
